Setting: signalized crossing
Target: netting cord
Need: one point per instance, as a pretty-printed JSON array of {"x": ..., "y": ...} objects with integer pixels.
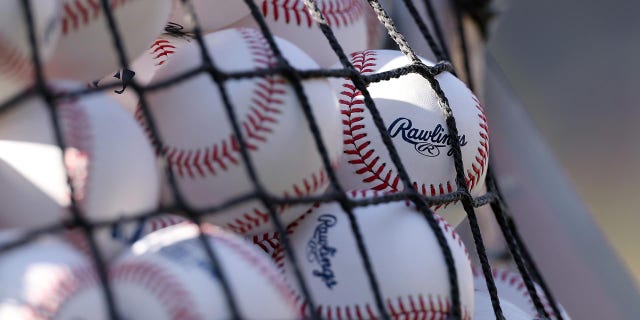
[
  {"x": 524, "y": 262},
  {"x": 533, "y": 268},
  {"x": 473, "y": 221},
  {"x": 516, "y": 246},
  {"x": 428, "y": 74},
  {"x": 192, "y": 214},
  {"x": 526, "y": 265},
  {"x": 78, "y": 219},
  {"x": 345, "y": 204},
  {"x": 437, "y": 49}
]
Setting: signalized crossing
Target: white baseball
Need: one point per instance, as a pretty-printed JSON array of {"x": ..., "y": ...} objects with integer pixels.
[
  {"x": 405, "y": 256},
  {"x": 109, "y": 160},
  {"x": 484, "y": 308},
  {"x": 511, "y": 287},
  {"x": 212, "y": 15},
  {"x": 16, "y": 68},
  {"x": 29, "y": 272},
  {"x": 412, "y": 117},
  {"x": 291, "y": 20},
  {"x": 141, "y": 70},
  {"x": 86, "y": 50},
  {"x": 167, "y": 275},
  {"x": 199, "y": 142}
]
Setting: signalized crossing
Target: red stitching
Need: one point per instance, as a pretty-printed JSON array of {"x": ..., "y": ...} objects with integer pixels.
[
  {"x": 481, "y": 159},
  {"x": 78, "y": 13},
  {"x": 515, "y": 281},
  {"x": 164, "y": 221},
  {"x": 161, "y": 49},
  {"x": 403, "y": 307},
  {"x": 56, "y": 292},
  {"x": 336, "y": 12},
  {"x": 266, "y": 103},
  {"x": 263, "y": 265},
  {"x": 14, "y": 63},
  {"x": 306, "y": 186},
  {"x": 172, "y": 295},
  {"x": 373, "y": 169},
  {"x": 169, "y": 291},
  {"x": 164, "y": 286},
  {"x": 268, "y": 242}
]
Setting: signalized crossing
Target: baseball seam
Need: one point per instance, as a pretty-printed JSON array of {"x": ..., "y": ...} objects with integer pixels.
[
  {"x": 257, "y": 217},
  {"x": 261, "y": 263},
  {"x": 160, "y": 50},
  {"x": 337, "y": 13},
  {"x": 515, "y": 281},
  {"x": 172, "y": 296},
  {"x": 163, "y": 221},
  {"x": 362, "y": 154},
  {"x": 13, "y": 62},
  {"x": 268, "y": 242},
  {"x": 402, "y": 307},
  {"x": 79, "y": 13},
  {"x": 162, "y": 285},
  {"x": 267, "y": 103},
  {"x": 55, "y": 293}
]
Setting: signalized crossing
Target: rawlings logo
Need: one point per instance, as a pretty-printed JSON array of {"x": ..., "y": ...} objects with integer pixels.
[
  {"x": 426, "y": 142},
  {"x": 319, "y": 251}
]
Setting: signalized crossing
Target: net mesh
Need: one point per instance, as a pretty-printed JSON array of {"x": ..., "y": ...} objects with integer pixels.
[{"x": 479, "y": 10}]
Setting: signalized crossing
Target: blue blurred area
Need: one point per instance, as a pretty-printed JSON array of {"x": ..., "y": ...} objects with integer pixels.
[{"x": 575, "y": 65}]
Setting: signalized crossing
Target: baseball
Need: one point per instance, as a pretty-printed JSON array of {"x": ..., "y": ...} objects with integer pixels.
[
  {"x": 483, "y": 308},
  {"x": 511, "y": 287},
  {"x": 212, "y": 15},
  {"x": 141, "y": 70},
  {"x": 267, "y": 241},
  {"x": 109, "y": 161},
  {"x": 16, "y": 68},
  {"x": 30, "y": 272},
  {"x": 202, "y": 150},
  {"x": 166, "y": 275},
  {"x": 114, "y": 239},
  {"x": 412, "y": 117},
  {"x": 405, "y": 256},
  {"x": 86, "y": 50},
  {"x": 291, "y": 20}
]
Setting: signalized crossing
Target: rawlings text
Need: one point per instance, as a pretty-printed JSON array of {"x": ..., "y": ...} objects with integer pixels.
[
  {"x": 319, "y": 251},
  {"x": 426, "y": 142}
]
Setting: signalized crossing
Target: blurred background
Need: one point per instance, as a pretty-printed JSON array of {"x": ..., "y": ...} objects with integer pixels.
[{"x": 574, "y": 64}]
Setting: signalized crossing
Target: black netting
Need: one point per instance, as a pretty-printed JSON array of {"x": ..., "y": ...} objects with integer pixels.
[{"x": 479, "y": 10}]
